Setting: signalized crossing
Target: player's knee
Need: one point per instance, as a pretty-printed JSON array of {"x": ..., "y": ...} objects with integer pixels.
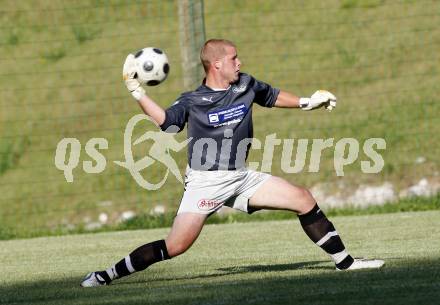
[
  {"x": 304, "y": 200},
  {"x": 307, "y": 196},
  {"x": 176, "y": 248}
]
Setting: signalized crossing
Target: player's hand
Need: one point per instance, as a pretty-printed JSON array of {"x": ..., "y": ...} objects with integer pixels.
[
  {"x": 319, "y": 99},
  {"x": 129, "y": 76}
]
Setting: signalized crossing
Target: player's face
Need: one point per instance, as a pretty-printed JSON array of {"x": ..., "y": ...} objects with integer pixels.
[{"x": 230, "y": 67}]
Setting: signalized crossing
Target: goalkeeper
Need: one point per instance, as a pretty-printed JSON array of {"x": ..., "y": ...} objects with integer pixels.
[{"x": 221, "y": 108}]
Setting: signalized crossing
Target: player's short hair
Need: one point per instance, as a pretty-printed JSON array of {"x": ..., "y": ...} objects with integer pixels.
[{"x": 212, "y": 50}]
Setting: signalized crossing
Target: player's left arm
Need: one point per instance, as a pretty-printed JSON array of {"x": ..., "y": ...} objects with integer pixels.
[
  {"x": 287, "y": 100},
  {"x": 320, "y": 98}
]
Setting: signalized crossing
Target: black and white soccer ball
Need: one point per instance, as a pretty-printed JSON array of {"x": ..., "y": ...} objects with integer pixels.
[{"x": 152, "y": 66}]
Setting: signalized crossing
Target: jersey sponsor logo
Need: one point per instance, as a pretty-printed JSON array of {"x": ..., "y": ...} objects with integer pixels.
[
  {"x": 207, "y": 204},
  {"x": 213, "y": 118},
  {"x": 239, "y": 89},
  {"x": 226, "y": 116}
]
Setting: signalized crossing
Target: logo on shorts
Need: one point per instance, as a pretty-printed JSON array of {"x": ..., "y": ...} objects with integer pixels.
[{"x": 207, "y": 204}]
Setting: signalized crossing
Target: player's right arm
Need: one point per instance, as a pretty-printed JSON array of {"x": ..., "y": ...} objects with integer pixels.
[{"x": 149, "y": 107}]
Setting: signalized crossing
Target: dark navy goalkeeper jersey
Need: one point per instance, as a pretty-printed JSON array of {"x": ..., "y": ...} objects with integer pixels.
[{"x": 219, "y": 122}]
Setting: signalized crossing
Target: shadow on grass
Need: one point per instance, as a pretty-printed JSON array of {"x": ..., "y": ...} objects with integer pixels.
[
  {"x": 279, "y": 267},
  {"x": 222, "y": 272},
  {"x": 402, "y": 281}
]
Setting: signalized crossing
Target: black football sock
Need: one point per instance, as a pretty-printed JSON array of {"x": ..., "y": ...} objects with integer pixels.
[
  {"x": 138, "y": 260},
  {"x": 322, "y": 232},
  {"x": 103, "y": 276}
]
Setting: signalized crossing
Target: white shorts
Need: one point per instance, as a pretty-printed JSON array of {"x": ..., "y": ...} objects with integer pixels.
[{"x": 208, "y": 191}]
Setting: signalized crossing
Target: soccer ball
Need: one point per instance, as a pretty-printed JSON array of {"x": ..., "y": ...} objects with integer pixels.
[{"x": 152, "y": 66}]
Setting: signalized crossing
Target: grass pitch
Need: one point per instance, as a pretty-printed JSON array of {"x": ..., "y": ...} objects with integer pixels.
[{"x": 245, "y": 263}]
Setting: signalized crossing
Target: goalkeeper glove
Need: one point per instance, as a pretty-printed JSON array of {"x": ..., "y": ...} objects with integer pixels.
[
  {"x": 318, "y": 99},
  {"x": 129, "y": 76}
]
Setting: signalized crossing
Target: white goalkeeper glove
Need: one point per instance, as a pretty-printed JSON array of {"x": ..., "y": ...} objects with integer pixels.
[
  {"x": 318, "y": 99},
  {"x": 128, "y": 74}
]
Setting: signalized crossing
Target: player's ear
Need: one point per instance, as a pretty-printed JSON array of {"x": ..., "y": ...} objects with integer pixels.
[{"x": 217, "y": 64}]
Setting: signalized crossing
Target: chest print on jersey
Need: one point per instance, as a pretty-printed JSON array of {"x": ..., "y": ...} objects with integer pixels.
[
  {"x": 226, "y": 116},
  {"x": 239, "y": 89}
]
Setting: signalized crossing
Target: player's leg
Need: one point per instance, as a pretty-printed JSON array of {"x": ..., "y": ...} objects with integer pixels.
[
  {"x": 185, "y": 230},
  {"x": 277, "y": 193}
]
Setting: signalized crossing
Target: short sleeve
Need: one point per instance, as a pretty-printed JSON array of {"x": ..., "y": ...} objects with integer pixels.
[
  {"x": 265, "y": 94},
  {"x": 176, "y": 117}
]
